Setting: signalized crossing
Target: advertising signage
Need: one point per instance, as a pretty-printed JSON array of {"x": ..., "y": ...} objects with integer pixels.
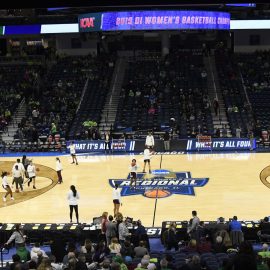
[
  {"x": 90, "y": 22},
  {"x": 154, "y": 20}
]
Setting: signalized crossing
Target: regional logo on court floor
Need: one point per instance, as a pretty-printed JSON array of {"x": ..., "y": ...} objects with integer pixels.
[{"x": 160, "y": 184}]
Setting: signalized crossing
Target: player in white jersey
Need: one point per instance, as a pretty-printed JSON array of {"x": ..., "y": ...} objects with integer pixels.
[
  {"x": 73, "y": 152},
  {"x": 146, "y": 158},
  {"x": 133, "y": 172},
  {"x": 31, "y": 169},
  {"x": 6, "y": 186},
  {"x": 20, "y": 166}
]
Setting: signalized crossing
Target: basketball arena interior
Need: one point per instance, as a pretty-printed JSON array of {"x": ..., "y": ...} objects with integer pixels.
[{"x": 134, "y": 135}]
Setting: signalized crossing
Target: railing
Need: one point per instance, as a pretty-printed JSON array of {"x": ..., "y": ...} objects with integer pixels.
[{"x": 82, "y": 96}]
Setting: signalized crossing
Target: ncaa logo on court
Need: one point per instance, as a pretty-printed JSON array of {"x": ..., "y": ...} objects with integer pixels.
[{"x": 161, "y": 184}]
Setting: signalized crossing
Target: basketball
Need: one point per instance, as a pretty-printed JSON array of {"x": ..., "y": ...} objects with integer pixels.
[
  {"x": 157, "y": 193},
  {"x": 17, "y": 191},
  {"x": 37, "y": 169}
]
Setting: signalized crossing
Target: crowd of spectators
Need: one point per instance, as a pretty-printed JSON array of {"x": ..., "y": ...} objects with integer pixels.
[
  {"x": 118, "y": 249},
  {"x": 51, "y": 111},
  {"x": 157, "y": 90},
  {"x": 255, "y": 71},
  {"x": 16, "y": 83}
]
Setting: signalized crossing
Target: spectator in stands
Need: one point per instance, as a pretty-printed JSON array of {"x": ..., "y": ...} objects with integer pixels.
[
  {"x": 55, "y": 266},
  {"x": 150, "y": 265},
  {"x": 111, "y": 230},
  {"x": 264, "y": 229},
  {"x": 201, "y": 231},
  {"x": 141, "y": 250},
  {"x": 193, "y": 263},
  {"x": 114, "y": 246},
  {"x": 163, "y": 264},
  {"x": 140, "y": 234},
  {"x": 127, "y": 249},
  {"x": 138, "y": 93},
  {"x": 170, "y": 238},
  {"x": 265, "y": 253},
  {"x": 238, "y": 132},
  {"x": 104, "y": 222},
  {"x": 81, "y": 263},
  {"x": 123, "y": 231},
  {"x": 221, "y": 224},
  {"x": 245, "y": 259},
  {"x": 119, "y": 259},
  {"x": 16, "y": 260},
  {"x": 105, "y": 264},
  {"x": 23, "y": 253},
  {"x": 53, "y": 129},
  {"x": 194, "y": 224},
  {"x": 7, "y": 115},
  {"x": 101, "y": 252},
  {"x": 204, "y": 245},
  {"x": 191, "y": 247},
  {"x": 235, "y": 225},
  {"x": 219, "y": 247},
  {"x": 143, "y": 265},
  {"x": 45, "y": 264},
  {"x": 151, "y": 110},
  {"x": 35, "y": 250},
  {"x": 217, "y": 133},
  {"x": 18, "y": 236},
  {"x": 33, "y": 266},
  {"x": 57, "y": 246},
  {"x": 131, "y": 93},
  {"x": 216, "y": 106},
  {"x": 88, "y": 250},
  {"x": 70, "y": 255}
]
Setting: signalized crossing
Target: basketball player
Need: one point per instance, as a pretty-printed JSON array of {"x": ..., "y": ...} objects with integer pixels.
[
  {"x": 73, "y": 152},
  {"x": 147, "y": 155},
  {"x": 6, "y": 186},
  {"x": 73, "y": 197},
  {"x": 31, "y": 169},
  {"x": 20, "y": 166},
  {"x": 17, "y": 178},
  {"x": 116, "y": 199},
  {"x": 133, "y": 173},
  {"x": 59, "y": 169}
]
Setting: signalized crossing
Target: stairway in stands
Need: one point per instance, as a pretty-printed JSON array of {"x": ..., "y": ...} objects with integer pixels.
[
  {"x": 215, "y": 92},
  {"x": 12, "y": 128},
  {"x": 110, "y": 108}
]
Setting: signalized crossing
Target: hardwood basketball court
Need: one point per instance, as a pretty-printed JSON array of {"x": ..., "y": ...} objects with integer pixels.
[{"x": 235, "y": 187}]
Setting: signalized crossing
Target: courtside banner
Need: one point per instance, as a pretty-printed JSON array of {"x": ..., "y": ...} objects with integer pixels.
[
  {"x": 222, "y": 144},
  {"x": 154, "y": 20},
  {"x": 88, "y": 146}
]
